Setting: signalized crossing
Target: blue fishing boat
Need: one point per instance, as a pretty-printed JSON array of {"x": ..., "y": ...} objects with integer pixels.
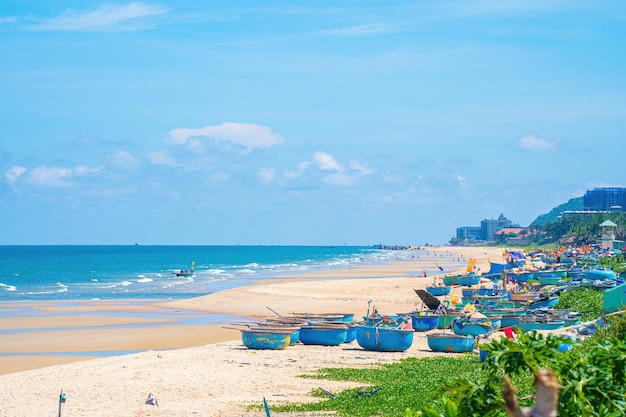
[
  {"x": 325, "y": 335},
  {"x": 520, "y": 276},
  {"x": 383, "y": 338},
  {"x": 294, "y": 335},
  {"x": 351, "y": 335},
  {"x": 600, "y": 274},
  {"x": 452, "y": 343},
  {"x": 548, "y": 279},
  {"x": 528, "y": 324},
  {"x": 474, "y": 326},
  {"x": 438, "y": 290},
  {"x": 464, "y": 279},
  {"x": 393, "y": 320},
  {"x": 446, "y": 319},
  {"x": 542, "y": 301},
  {"x": 322, "y": 316},
  {"x": 424, "y": 321},
  {"x": 266, "y": 339}
]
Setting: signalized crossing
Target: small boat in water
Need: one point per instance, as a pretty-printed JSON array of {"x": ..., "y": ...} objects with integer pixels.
[
  {"x": 384, "y": 338},
  {"x": 451, "y": 343}
]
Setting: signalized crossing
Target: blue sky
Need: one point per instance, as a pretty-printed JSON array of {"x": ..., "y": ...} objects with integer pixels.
[{"x": 321, "y": 122}]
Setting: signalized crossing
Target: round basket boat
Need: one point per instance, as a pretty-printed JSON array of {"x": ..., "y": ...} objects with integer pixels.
[
  {"x": 452, "y": 343},
  {"x": 424, "y": 322},
  {"x": 266, "y": 339},
  {"x": 384, "y": 339},
  {"x": 325, "y": 335}
]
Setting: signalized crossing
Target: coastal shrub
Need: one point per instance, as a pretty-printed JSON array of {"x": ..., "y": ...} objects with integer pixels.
[
  {"x": 592, "y": 377},
  {"x": 587, "y": 301},
  {"x": 390, "y": 389}
]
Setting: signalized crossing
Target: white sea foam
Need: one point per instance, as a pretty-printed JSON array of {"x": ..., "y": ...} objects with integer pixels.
[
  {"x": 125, "y": 283},
  {"x": 246, "y": 271},
  {"x": 145, "y": 279},
  {"x": 7, "y": 287}
]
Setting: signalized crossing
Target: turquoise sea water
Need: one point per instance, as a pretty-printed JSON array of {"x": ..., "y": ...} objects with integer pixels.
[{"x": 141, "y": 272}]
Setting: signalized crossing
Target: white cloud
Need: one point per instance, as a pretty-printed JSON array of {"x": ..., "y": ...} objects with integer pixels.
[
  {"x": 363, "y": 169},
  {"x": 340, "y": 179},
  {"x": 326, "y": 161},
  {"x": 249, "y": 135},
  {"x": 14, "y": 173},
  {"x": 83, "y": 170},
  {"x": 266, "y": 175},
  {"x": 44, "y": 176},
  {"x": 300, "y": 169},
  {"x": 106, "y": 18},
  {"x": 162, "y": 158},
  {"x": 362, "y": 30},
  {"x": 534, "y": 143},
  {"x": 122, "y": 160}
]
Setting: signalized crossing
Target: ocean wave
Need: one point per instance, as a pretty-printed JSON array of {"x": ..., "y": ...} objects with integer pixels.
[
  {"x": 7, "y": 287},
  {"x": 145, "y": 279},
  {"x": 126, "y": 283},
  {"x": 245, "y": 271}
]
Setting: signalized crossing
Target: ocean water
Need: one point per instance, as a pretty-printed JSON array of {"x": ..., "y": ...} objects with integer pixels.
[{"x": 149, "y": 272}]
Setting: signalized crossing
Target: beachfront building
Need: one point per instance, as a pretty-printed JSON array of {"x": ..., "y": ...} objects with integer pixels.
[
  {"x": 607, "y": 238},
  {"x": 483, "y": 233},
  {"x": 489, "y": 227},
  {"x": 469, "y": 233},
  {"x": 605, "y": 199}
]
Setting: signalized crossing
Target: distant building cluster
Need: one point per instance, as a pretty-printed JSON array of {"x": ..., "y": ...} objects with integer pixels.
[
  {"x": 486, "y": 231},
  {"x": 605, "y": 199},
  {"x": 598, "y": 200}
]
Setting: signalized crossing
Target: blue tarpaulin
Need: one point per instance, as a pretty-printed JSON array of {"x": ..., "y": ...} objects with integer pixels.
[{"x": 516, "y": 255}]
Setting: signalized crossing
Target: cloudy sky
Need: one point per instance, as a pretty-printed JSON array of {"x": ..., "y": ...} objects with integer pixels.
[{"x": 320, "y": 122}]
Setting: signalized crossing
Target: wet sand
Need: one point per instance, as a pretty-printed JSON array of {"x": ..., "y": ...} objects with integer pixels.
[{"x": 192, "y": 367}]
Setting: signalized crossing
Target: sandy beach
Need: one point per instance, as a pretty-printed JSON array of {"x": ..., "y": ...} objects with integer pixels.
[{"x": 199, "y": 369}]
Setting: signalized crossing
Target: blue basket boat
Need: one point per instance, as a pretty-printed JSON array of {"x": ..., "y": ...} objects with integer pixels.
[
  {"x": 325, "y": 335},
  {"x": 384, "y": 339},
  {"x": 424, "y": 322},
  {"x": 438, "y": 290},
  {"x": 466, "y": 279},
  {"x": 452, "y": 343},
  {"x": 474, "y": 327},
  {"x": 266, "y": 339},
  {"x": 351, "y": 335},
  {"x": 542, "y": 302},
  {"x": 295, "y": 330}
]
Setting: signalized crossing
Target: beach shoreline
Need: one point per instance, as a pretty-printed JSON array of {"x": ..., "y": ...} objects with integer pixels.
[{"x": 29, "y": 345}]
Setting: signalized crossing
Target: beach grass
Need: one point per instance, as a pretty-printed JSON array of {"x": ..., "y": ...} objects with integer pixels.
[{"x": 391, "y": 389}]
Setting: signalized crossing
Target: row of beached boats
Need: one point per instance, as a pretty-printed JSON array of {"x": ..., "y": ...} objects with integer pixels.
[{"x": 454, "y": 326}]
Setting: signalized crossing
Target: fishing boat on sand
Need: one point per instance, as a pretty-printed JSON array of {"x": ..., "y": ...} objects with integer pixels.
[
  {"x": 274, "y": 339},
  {"x": 438, "y": 290},
  {"x": 424, "y": 321},
  {"x": 384, "y": 338},
  {"x": 323, "y": 334},
  {"x": 451, "y": 343}
]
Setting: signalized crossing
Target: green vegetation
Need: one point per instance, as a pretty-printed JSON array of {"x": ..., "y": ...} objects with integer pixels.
[
  {"x": 587, "y": 301},
  {"x": 577, "y": 230},
  {"x": 592, "y": 375},
  {"x": 411, "y": 383}
]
